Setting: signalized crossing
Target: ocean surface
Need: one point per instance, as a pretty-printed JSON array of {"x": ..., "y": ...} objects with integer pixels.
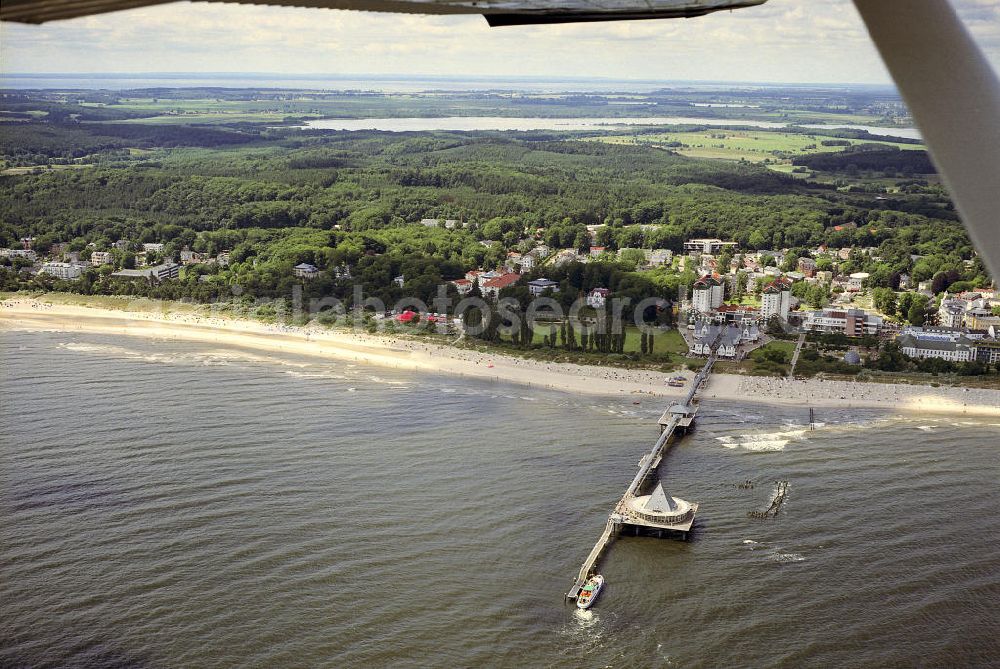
[
  {"x": 174, "y": 505},
  {"x": 468, "y": 123}
]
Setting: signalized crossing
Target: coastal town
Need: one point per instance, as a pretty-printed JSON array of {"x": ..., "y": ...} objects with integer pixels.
[{"x": 739, "y": 300}]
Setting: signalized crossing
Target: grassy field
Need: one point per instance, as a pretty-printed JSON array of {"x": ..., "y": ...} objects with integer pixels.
[
  {"x": 751, "y": 145},
  {"x": 42, "y": 168},
  {"x": 668, "y": 343},
  {"x": 189, "y": 118},
  {"x": 779, "y": 345},
  {"x": 794, "y": 115}
]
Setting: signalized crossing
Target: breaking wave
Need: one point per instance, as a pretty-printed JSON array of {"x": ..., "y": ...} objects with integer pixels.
[{"x": 763, "y": 441}]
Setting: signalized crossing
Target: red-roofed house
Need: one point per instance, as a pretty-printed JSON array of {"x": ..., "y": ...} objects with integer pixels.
[{"x": 494, "y": 286}]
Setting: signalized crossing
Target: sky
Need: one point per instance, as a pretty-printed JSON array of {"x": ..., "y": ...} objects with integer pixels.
[{"x": 783, "y": 41}]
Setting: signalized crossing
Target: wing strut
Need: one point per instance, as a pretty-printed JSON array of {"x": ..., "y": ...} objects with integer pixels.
[{"x": 954, "y": 96}]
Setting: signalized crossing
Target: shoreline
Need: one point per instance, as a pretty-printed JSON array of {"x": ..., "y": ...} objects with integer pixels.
[{"x": 32, "y": 315}]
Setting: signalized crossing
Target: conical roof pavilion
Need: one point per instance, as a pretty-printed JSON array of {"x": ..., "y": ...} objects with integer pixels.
[{"x": 660, "y": 502}]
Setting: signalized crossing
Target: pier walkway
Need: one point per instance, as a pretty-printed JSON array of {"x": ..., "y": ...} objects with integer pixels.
[
  {"x": 795, "y": 355},
  {"x": 676, "y": 419}
]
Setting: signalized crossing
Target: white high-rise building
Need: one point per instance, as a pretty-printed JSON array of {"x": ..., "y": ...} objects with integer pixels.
[
  {"x": 775, "y": 300},
  {"x": 706, "y": 295}
]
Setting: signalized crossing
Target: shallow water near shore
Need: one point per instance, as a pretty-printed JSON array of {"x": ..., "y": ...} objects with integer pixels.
[{"x": 177, "y": 504}]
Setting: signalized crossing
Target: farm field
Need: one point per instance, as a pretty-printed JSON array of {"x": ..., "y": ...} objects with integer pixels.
[{"x": 750, "y": 145}]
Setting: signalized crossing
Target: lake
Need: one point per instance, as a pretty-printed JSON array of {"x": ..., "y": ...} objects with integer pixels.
[{"x": 470, "y": 123}]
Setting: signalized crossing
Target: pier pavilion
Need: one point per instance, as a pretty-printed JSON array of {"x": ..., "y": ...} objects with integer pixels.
[{"x": 657, "y": 511}]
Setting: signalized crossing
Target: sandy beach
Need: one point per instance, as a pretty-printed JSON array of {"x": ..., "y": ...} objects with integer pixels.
[{"x": 26, "y": 314}]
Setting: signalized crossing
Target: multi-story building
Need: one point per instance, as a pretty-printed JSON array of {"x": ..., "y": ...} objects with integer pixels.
[
  {"x": 850, "y": 322},
  {"x": 62, "y": 270},
  {"x": 305, "y": 271},
  {"x": 539, "y": 286},
  {"x": 951, "y": 313},
  {"x": 707, "y": 294},
  {"x": 807, "y": 266},
  {"x": 522, "y": 261},
  {"x": 710, "y": 246},
  {"x": 775, "y": 300},
  {"x": 98, "y": 258},
  {"x": 856, "y": 281},
  {"x": 960, "y": 349},
  {"x": 164, "y": 271},
  {"x": 942, "y": 332},
  {"x": 492, "y": 287},
  {"x": 727, "y": 338},
  {"x": 167, "y": 270},
  {"x": 739, "y": 314},
  {"x": 27, "y": 254},
  {"x": 988, "y": 351}
]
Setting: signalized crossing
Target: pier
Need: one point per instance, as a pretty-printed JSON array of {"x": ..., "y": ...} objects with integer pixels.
[{"x": 657, "y": 511}]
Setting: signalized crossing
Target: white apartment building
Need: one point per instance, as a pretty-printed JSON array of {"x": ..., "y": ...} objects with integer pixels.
[
  {"x": 62, "y": 270},
  {"x": 930, "y": 346},
  {"x": 707, "y": 294},
  {"x": 710, "y": 246},
  {"x": 775, "y": 300}
]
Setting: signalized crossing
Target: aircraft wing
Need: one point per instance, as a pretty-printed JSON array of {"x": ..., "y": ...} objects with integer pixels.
[{"x": 497, "y": 12}]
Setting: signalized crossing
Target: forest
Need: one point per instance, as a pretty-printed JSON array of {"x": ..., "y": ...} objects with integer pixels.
[
  {"x": 277, "y": 196},
  {"x": 870, "y": 157}
]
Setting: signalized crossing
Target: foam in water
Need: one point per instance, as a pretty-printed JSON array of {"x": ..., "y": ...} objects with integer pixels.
[
  {"x": 774, "y": 554},
  {"x": 314, "y": 375},
  {"x": 763, "y": 442},
  {"x": 211, "y": 357}
]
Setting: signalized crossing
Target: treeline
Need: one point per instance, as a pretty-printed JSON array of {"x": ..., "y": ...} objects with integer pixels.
[
  {"x": 892, "y": 159},
  {"x": 73, "y": 140}
]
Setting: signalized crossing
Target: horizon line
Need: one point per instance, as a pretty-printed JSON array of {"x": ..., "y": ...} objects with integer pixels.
[{"x": 432, "y": 77}]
